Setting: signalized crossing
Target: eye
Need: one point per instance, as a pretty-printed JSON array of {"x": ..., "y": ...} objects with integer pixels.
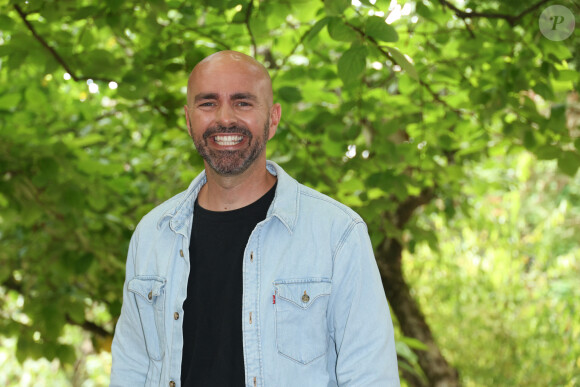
[
  {"x": 207, "y": 104},
  {"x": 244, "y": 104}
]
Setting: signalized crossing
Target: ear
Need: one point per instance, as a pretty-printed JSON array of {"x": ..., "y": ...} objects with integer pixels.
[
  {"x": 275, "y": 115},
  {"x": 187, "y": 121}
]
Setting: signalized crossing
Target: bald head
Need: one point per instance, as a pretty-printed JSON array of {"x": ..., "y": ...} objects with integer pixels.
[{"x": 226, "y": 64}]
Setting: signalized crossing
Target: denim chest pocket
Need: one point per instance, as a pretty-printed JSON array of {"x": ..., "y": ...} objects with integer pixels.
[
  {"x": 301, "y": 328},
  {"x": 149, "y": 295}
]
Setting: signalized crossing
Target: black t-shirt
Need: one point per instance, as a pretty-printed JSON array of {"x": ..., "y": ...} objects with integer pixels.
[{"x": 212, "y": 313}]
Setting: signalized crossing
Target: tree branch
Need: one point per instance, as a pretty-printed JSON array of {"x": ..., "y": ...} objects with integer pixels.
[
  {"x": 90, "y": 326},
  {"x": 405, "y": 209},
  {"x": 156, "y": 108},
  {"x": 511, "y": 19},
  {"x": 247, "y": 23},
  {"x": 468, "y": 28},
  {"x": 52, "y": 51},
  {"x": 388, "y": 55},
  {"x": 300, "y": 41},
  {"x": 224, "y": 45}
]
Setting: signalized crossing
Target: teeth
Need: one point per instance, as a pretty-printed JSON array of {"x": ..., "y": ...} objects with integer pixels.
[{"x": 228, "y": 140}]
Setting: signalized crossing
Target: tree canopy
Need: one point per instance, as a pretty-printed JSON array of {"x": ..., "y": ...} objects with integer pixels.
[{"x": 413, "y": 113}]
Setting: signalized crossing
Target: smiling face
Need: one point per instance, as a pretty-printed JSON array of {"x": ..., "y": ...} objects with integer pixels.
[{"x": 229, "y": 112}]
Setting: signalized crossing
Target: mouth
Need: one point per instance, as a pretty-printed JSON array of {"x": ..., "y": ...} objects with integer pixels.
[{"x": 228, "y": 139}]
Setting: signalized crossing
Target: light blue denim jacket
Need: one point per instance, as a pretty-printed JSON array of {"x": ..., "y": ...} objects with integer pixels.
[{"x": 314, "y": 311}]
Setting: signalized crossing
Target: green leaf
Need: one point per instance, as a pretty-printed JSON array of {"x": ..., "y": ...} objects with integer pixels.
[
  {"x": 404, "y": 351},
  {"x": 544, "y": 89},
  {"x": 48, "y": 168},
  {"x": 352, "y": 64},
  {"x": 414, "y": 343},
  {"x": 85, "y": 12},
  {"x": 336, "y": 7},
  {"x": 557, "y": 121},
  {"x": 569, "y": 162},
  {"x": 403, "y": 62},
  {"x": 6, "y": 22},
  {"x": 320, "y": 24},
  {"x": 290, "y": 94},
  {"x": 568, "y": 75},
  {"x": 65, "y": 353},
  {"x": 9, "y": 101},
  {"x": 529, "y": 139},
  {"x": 35, "y": 96},
  {"x": 340, "y": 31},
  {"x": 547, "y": 152},
  {"x": 380, "y": 30},
  {"x": 75, "y": 310}
]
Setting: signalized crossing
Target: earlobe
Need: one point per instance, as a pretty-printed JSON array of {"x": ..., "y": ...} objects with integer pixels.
[{"x": 275, "y": 115}]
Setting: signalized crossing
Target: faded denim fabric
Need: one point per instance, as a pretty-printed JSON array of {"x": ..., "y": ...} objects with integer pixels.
[{"x": 314, "y": 312}]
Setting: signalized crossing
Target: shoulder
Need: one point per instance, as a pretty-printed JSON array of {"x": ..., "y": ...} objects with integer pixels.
[
  {"x": 177, "y": 208},
  {"x": 150, "y": 221},
  {"x": 300, "y": 206},
  {"x": 320, "y": 204},
  {"x": 163, "y": 209}
]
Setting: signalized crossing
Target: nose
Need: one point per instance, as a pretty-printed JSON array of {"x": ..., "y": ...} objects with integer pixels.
[{"x": 225, "y": 116}]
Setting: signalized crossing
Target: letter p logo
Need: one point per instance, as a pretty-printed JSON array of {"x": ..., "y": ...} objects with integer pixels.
[{"x": 556, "y": 22}]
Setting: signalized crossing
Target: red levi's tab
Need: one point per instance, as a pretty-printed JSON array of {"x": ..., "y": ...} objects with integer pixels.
[{"x": 273, "y": 298}]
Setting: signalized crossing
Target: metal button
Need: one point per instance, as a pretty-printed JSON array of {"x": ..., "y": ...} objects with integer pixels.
[
  {"x": 305, "y": 297},
  {"x": 150, "y": 295},
  {"x": 181, "y": 253},
  {"x": 176, "y": 316},
  {"x": 172, "y": 384}
]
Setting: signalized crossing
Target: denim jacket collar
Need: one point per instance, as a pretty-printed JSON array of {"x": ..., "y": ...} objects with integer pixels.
[{"x": 284, "y": 206}]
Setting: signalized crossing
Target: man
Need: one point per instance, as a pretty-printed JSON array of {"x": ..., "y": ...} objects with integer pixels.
[{"x": 248, "y": 277}]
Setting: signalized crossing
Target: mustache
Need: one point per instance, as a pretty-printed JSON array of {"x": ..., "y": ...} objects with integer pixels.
[{"x": 219, "y": 129}]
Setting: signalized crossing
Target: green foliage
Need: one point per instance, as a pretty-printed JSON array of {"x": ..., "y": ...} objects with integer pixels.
[
  {"x": 502, "y": 290},
  {"x": 92, "y": 134}
]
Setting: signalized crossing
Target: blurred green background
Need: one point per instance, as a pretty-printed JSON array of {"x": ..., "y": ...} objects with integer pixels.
[{"x": 451, "y": 126}]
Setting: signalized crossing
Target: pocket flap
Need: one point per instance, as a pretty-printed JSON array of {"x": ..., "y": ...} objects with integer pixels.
[
  {"x": 147, "y": 287},
  {"x": 302, "y": 292}
]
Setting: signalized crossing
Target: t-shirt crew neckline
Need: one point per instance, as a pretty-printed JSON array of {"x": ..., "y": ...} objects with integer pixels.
[{"x": 234, "y": 215}]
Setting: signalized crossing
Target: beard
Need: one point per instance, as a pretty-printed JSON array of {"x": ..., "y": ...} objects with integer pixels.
[{"x": 231, "y": 162}]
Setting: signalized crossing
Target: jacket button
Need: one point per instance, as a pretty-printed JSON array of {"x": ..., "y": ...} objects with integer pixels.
[
  {"x": 176, "y": 316},
  {"x": 181, "y": 253},
  {"x": 305, "y": 297},
  {"x": 150, "y": 295},
  {"x": 172, "y": 384}
]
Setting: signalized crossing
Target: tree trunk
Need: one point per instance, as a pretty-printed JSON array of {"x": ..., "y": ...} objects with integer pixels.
[{"x": 411, "y": 321}]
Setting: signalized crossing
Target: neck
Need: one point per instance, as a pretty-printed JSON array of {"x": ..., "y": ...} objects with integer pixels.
[{"x": 226, "y": 193}]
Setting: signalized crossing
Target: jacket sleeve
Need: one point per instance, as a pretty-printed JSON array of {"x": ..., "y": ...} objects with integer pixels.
[
  {"x": 360, "y": 317},
  {"x": 130, "y": 359}
]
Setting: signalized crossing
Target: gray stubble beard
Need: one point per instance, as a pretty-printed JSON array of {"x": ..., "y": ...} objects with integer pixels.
[{"x": 231, "y": 162}]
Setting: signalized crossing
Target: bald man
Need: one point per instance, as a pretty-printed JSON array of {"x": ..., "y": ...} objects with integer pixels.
[{"x": 248, "y": 277}]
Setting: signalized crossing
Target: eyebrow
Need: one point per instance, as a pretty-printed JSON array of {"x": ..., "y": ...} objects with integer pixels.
[
  {"x": 201, "y": 96},
  {"x": 249, "y": 96},
  {"x": 234, "y": 97}
]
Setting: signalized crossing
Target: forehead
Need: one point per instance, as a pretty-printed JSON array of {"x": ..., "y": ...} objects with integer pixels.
[
  {"x": 229, "y": 75},
  {"x": 216, "y": 79}
]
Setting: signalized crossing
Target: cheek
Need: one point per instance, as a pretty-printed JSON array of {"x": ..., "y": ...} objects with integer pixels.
[{"x": 199, "y": 122}]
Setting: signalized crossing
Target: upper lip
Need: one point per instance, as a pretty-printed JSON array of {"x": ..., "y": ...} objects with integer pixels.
[{"x": 227, "y": 131}]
